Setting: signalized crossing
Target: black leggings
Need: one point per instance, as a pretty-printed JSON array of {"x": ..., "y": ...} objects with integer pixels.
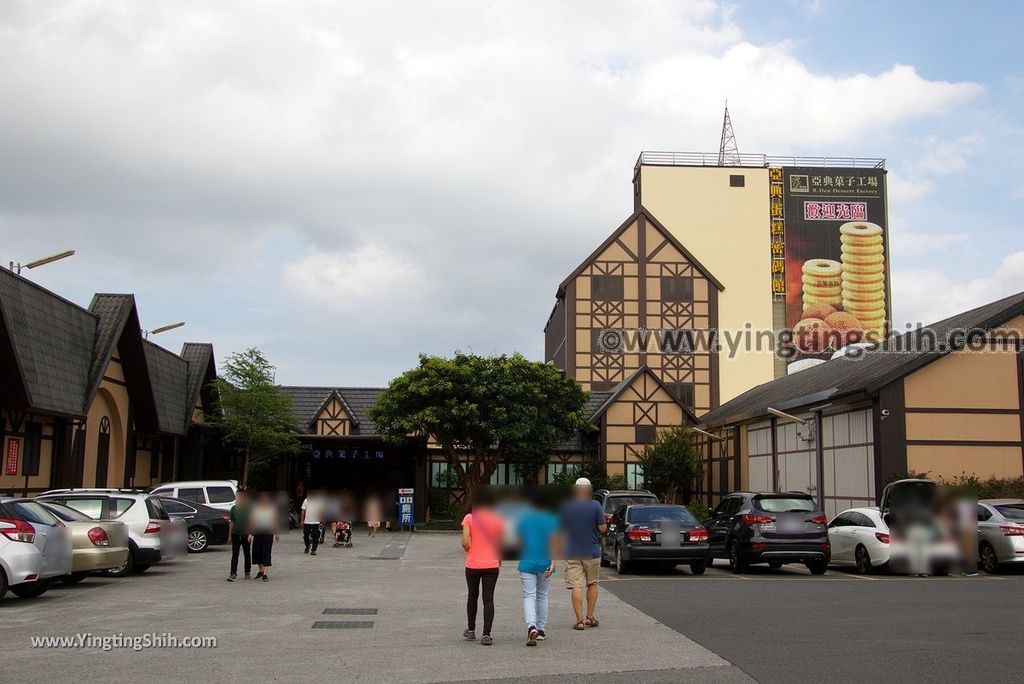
[{"x": 489, "y": 577}]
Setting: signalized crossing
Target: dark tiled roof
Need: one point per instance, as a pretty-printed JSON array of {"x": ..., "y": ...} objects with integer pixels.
[
  {"x": 201, "y": 370},
  {"x": 112, "y": 312},
  {"x": 168, "y": 374},
  {"x": 307, "y": 402},
  {"x": 591, "y": 410},
  {"x": 847, "y": 376},
  {"x": 52, "y": 340}
]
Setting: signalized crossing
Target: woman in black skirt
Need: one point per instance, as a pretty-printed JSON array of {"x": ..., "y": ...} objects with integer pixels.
[{"x": 264, "y": 533}]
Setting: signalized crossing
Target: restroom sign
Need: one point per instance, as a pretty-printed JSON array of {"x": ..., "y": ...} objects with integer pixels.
[
  {"x": 406, "y": 501},
  {"x": 13, "y": 451}
]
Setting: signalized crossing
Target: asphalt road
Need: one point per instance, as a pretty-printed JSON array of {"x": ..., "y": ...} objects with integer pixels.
[{"x": 788, "y": 626}]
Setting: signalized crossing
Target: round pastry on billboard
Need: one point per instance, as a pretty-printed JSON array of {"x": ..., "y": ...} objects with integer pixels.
[
  {"x": 811, "y": 335},
  {"x": 846, "y": 328},
  {"x": 818, "y": 310},
  {"x": 822, "y": 268},
  {"x": 860, "y": 229}
]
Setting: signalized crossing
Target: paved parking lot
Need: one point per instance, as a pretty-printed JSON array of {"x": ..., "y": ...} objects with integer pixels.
[
  {"x": 400, "y": 599},
  {"x": 789, "y": 626}
]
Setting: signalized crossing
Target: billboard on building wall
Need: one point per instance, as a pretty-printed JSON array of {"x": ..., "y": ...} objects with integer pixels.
[{"x": 830, "y": 261}]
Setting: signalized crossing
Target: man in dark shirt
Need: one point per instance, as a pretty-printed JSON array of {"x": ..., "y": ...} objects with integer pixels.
[
  {"x": 582, "y": 525},
  {"x": 240, "y": 533}
]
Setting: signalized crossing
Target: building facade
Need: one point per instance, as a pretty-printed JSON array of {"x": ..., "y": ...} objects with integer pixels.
[{"x": 85, "y": 401}]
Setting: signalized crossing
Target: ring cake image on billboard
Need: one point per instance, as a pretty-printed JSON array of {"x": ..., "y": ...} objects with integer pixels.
[{"x": 836, "y": 262}]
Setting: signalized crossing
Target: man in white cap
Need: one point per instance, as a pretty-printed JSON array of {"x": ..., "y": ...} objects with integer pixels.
[{"x": 583, "y": 524}]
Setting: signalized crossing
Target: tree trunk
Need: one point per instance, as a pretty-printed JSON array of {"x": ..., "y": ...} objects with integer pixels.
[{"x": 245, "y": 469}]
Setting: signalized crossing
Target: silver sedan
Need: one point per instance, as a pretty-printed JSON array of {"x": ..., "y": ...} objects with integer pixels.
[{"x": 1000, "y": 532}]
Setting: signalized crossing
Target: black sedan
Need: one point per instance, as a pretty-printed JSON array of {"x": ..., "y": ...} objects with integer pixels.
[
  {"x": 206, "y": 526},
  {"x": 660, "y": 534}
]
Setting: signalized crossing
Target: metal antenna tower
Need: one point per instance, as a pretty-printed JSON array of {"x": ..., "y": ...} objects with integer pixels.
[{"x": 728, "y": 153}]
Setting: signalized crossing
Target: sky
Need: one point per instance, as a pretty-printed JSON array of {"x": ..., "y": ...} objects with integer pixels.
[{"x": 347, "y": 185}]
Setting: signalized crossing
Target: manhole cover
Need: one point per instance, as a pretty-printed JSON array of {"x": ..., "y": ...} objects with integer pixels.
[{"x": 342, "y": 624}]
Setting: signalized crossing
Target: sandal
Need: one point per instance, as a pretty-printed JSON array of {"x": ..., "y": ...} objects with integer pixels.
[
  {"x": 592, "y": 622},
  {"x": 579, "y": 626}
]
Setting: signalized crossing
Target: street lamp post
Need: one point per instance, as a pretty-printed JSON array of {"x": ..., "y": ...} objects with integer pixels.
[{"x": 16, "y": 268}]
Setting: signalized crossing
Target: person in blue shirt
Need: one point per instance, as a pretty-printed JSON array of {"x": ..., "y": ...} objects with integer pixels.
[
  {"x": 583, "y": 524},
  {"x": 538, "y": 535}
]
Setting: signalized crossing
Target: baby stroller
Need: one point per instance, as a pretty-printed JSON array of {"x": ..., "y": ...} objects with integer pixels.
[{"x": 343, "y": 535}]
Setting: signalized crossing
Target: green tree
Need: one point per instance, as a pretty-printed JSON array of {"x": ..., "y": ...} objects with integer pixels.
[
  {"x": 481, "y": 409},
  {"x": 255, "y": 414},
  {"x": 671, "y": 465}
]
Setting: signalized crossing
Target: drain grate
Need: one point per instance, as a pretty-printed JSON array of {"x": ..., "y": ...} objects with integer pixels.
[
  {"x": 343, "y": 624},
  {"x": 350, "y": 611}
]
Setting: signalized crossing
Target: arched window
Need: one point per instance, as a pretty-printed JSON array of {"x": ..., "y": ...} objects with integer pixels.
[{"x": 103, "y": 452}]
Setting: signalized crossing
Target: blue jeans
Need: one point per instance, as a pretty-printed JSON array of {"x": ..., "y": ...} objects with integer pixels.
[{"x": 535, "y": 598}]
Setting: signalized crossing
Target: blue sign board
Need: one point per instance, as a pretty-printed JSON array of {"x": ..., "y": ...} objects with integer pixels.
[{"x": 406, "y": 507}]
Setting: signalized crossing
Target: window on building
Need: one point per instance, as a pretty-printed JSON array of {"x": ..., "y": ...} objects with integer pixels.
[
  {"x": 607, "y": 341},
  {"x": 33, "y": 446},
  {"x": 645, "y": 434},
  {"x": 737, "y": 180},
  {"x": 676, "y": 289},
  {"x": 555, "y": 468},
  {"x": 683, "y": 391},
  {"x": 635, "y": 476},
  {"x": 607, "y": 287}
]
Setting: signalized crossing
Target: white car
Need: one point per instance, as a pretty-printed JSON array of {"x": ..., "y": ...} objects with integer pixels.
[
  {"x": 859, "y": 538},
  {"x": 153, "y": 536},
  {"x": 213, "y": 493},
  {"x": 35, "y": 548}
]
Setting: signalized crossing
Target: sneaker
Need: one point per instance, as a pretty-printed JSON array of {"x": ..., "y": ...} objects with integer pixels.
[
  {"x": 265, "y": 578},
  {"x": 469, "y": 635},
  {"x": 306, "y": 550},
  {"x": 541, "y": 636},
  {"x": 312, "y": 553},
  {"x": 232, "y": 577},
  {"x": 259, "y": 575},
  {"x": 486, "y": 640},
  {"x": 531, "y": 636},
  {"x": 248, "y": 575}
]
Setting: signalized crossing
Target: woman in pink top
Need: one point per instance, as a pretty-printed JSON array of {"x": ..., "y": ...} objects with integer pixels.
[{"x": 481, "y": 539}]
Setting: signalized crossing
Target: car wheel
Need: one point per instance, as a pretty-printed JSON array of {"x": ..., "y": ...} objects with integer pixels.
[
  {"x": 863, "y": 561},
  {"x": 198, "y": 540},
  {"x": 32, "y": 589},
  {"x": 621, "y": 566},
  {"x": 3, "y": 583},
  {"x": 989, "y": 559},
  {"x": 126, "y": 568},
  {"x": 698, "y": 567},
  {"x": 775, "y": 565},
  {"x": 736, "y": 561},
  {"x": 818, "y": 568},
  {"x": 74, "y": 578}
]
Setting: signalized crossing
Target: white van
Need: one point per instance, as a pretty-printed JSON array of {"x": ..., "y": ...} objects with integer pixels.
[{"x": 213, "y": 493}]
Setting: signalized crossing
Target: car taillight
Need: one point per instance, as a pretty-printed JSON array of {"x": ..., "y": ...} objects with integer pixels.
[
  {"x": 1012, "y": 531},
  {"x": 98, "y": 536},
  {"x": 152, "y": 527},
  {"x": 19, "y": 531},
  {"x": 819, "y": 519},
  {"x": 754, "y": 519},
  {"x": 638, "y": 534},
  {"x": 882, "y": 537},
  {"x": 699, "y": 535}
]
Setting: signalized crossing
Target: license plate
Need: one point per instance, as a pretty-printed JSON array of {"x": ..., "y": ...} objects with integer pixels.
[{"x": 791, "y": 527}]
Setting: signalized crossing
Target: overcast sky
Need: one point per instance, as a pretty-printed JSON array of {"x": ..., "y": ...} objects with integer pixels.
[{"x": 346, "y": 185}]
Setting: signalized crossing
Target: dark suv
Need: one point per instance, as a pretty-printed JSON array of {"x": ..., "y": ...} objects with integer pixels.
[
  {"x": 748, "y": 527},
  {"x": 612, "y": 500}
]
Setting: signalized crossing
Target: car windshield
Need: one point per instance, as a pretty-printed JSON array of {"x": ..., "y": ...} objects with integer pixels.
[
  {"x": 66, "y": 514},
  {"x": 1012, "y": 512},
  {"x": 649, "y": 514},
  {"x": 614, "y": 503},
  {"x": 35, "y": 513},
  {"x": 778, "y": 504}
]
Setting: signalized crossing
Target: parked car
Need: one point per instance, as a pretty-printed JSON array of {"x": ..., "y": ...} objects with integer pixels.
[
  {"x": 658, "y": 534},
  {"x": 859, "y": 538},
  {"x": 213, "y": 493},
  {"x": 612, "y": 500},
  {"x": 773, "y": 528},
  {"x": 36, "y": 548},
  {"x": 152, "y": 535},
  {"x": 205, "y": 526},
  {"x": 1000, "y": 532},
  {"x": 95, "y": 544}
]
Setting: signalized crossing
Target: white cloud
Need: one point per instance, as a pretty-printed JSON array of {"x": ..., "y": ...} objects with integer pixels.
[{"x": 926, "y": 296}]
